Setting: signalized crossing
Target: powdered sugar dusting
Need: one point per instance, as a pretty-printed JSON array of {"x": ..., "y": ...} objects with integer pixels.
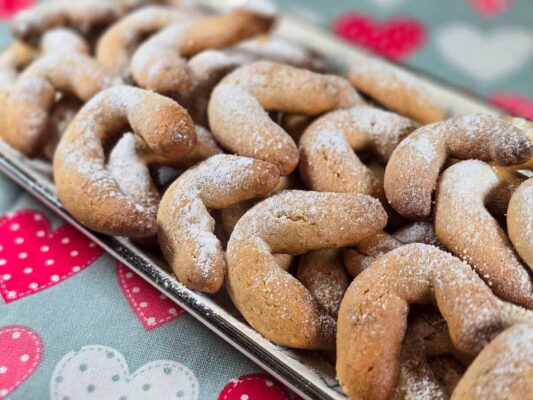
[
  {"x": 330, "y": 139},
  {"x": 213, "y": 181},
  {"x": 81, "y": 149},
  {"x": 132, "y": 176},
  {"x": 465, "y": 226},
  {"x": 422, "y": 145},
  {"x": 63, "y": 40}
]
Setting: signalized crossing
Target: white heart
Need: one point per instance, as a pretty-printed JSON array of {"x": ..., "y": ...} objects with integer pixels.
[
  {"x": 485, "y": 55},
  {"x": 101, "y": 372}
]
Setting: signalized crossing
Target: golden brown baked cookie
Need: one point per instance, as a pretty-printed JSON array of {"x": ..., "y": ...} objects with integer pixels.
[
  {"x": 397, "y": 90},
  {"x": 239, "y": 104},
  {"x": 159, "y": 63},
  {"x": 322, "y": 273},
  {"x": 117, "y": 45},
  {"x": 414, "y": 167},
  {"x": 467, "y": 229},
  {"x": 328, "y": 162},
  {"x": 520, "y": 221},
  {"x": 31, "y": 99},
  {"x": 503, "y": 370},
  {"x": 185, "y": 227},
  {"x": 84, "y": 185},
  {"x": 273, "y": 302},
  {"x": 375, "y": 307}
]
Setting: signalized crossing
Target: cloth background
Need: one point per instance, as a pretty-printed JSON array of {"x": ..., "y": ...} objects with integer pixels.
[{"x": 76, "y": 325}]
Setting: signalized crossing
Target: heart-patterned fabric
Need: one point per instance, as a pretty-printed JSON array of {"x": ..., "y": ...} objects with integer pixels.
[
  {"x": 74, "y": 324},
  {"x": 484, "y": 47}
]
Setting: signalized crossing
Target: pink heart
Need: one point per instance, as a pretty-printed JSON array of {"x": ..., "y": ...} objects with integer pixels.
[
  {"x": 490, "y": 8},
  {"x": 33, "y": 258},
  {"x": 11, "y": 7},
  {"x": 254, "y": 387},
  {"x": 396, "y": 38},
  {"x": 21, "y": 351},
  {"x": 151, "y": 307},
  {"x": 513, "y": 103}
]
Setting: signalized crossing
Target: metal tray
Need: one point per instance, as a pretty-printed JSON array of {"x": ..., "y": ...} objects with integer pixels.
[{"x": 304, "y": 372}]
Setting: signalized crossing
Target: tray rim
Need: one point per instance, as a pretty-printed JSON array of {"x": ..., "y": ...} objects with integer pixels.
[{"x": 19, "y": 169}]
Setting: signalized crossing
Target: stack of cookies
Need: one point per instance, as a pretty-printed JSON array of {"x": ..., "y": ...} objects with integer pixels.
[{"x": 339, "y": 211}]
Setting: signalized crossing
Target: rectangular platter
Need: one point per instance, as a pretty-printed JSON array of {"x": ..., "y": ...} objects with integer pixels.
[{"x": 304, "y": 372}]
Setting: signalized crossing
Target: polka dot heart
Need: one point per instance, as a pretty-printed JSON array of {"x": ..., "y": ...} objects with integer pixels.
[
  {"x": 254, "y": 387},
  {"x": 514, "y": 104},
  {"x": 9, "y": 8},
  {"x": 21, "y": 351},
  {"x": 101, "y": 372},
  {"x": 151, "y": 307},
  {"x": 33, "y": 258},
  {"x": 396, "y": 38}
]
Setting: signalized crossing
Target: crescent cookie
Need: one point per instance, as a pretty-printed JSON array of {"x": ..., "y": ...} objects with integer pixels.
[
  {"x": 32, "y": 97},
  {"x": 238, "y": 108},
  {"x": 159, "y": 64},
  {"x": 118, "y": 43},
  {"x": 376, "y": 305},
  {"x": 273, "y": 302},
  {"x": 397, "y": 90},
  {"x": 469, "y": 231},
  {"x": 327, "y": 149},
  {"x": 84, "y": 185},
  {"x": 414, "y": 167},
  {"x": 185, "y": 227}
]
